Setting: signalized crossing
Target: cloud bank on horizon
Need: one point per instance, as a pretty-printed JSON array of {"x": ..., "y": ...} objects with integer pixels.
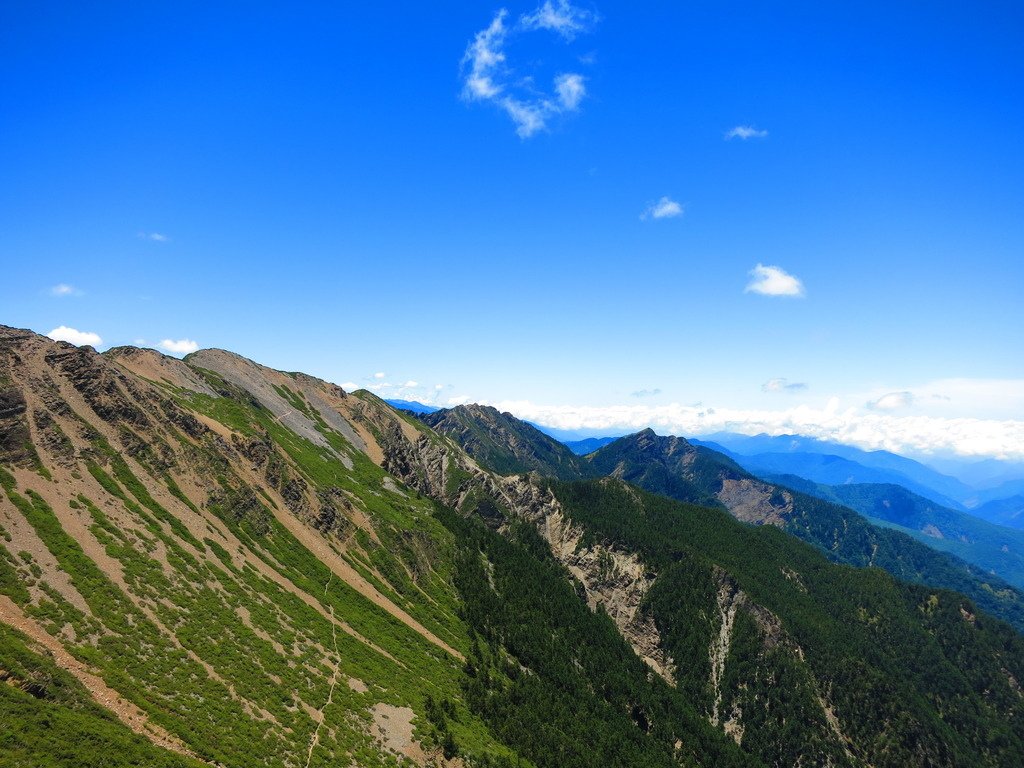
[
  {"x": 907, "y": 434},
  {"x": 943, "y": 417}
]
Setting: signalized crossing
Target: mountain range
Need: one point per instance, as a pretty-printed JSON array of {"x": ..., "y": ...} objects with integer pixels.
[{"x": 211, "y": 562}]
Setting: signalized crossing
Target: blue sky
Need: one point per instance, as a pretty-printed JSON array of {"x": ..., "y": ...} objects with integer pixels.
[{"x": 351, "y": 190}]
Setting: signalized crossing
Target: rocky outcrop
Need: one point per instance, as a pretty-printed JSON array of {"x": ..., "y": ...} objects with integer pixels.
[
  {"x": 112, "y": 395},
  {"x": 615, "y": 580},
  {"x": 753, "y": 501},
  {"x": 15, "y": 438}
]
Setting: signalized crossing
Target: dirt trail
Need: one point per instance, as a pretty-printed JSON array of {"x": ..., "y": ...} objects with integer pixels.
[
  {"x": 322, "y": 714},
  {"x": 103, "y": 694}
]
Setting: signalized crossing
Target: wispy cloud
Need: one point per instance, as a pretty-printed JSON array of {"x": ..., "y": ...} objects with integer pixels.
[
  {"x": 410, "y": 384},
  {"x": 570, "y": 90},
  {"x": 565, "y": 19},
  {"x": 645, "y": 393},
  {"x": 64, "y": 289},
  {"x": 488, "y": 77},
  {"x": 75, "y": 336},
  {"x": 179, "y": 346},
  {"x": 773, "y": 281},
  {"x": 665, "y": 208},
  {"x": 379, "y": 375},
  {"x": 892, "y": 401},
  {"x": 783, "y": 385},
  {"x": 745, "y": 132},
  {"x": 156, "y": 237}
]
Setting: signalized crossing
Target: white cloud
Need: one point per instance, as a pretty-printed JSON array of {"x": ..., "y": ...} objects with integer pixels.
[
  {"x": 665, "y": 208},
  {"x": 487, "y": 76},
  {"x": 745, "y": 132},
  {"x": 156, "y": 237},
  {"x": 179, "y": 346},
  {"x": 774, "y": 281},
  {"x": 438, "y": 387},
  {"x": 460, "y": 400},
  {"x": 529, "y": 117},
  {"x": 410, "y": 384},
  {"x": 350, "y": 386},
  {"x": 485, "y": 56},
  {"x": 379, "y": 375},
  {"x": 783, "y": 385},
  {"x": 871, "y": 430},
  {"x": 75, "y": 336},
  {"x": 567, "y": 20},
  {"x": 63, "y": 289},
  {"x": 892, "y": 401},
  {"x": 570, "y": 90}
]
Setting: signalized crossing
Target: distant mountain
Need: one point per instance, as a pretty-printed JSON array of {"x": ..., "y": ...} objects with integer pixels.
[
  {"x": 1003, "y": 511},
  {"x": 763, "y": 451},
  {"x": 674, "y": 467},
  {"x": 995, "y": 548},
  {"x": 829, "y": 469},
  {"x": 589, "y": 445},
  {"x": 1005, "y": 490},
  {"x": 984, "y": 474},
  {"x": 505, "y": 444},
  {"x": 412, "y": 405}
]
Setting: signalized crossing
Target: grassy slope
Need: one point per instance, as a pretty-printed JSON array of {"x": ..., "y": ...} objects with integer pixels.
[{"x": 188, "y": 606}]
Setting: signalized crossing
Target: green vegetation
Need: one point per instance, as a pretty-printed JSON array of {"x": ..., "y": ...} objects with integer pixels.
[
  {"x": 556, "y": 680},
  {"x": 993, "y": 548},
  {"x": 853, "y": 629},
  {"x": 49, "y": 719}
]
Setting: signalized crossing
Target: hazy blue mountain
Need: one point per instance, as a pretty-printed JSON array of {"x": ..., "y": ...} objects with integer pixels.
[
  {"x": 1008, "y": 511},
  {"x": 911, "y": 474},
  {"x": 1002, "y": 491},
  {"x": 987, "y": 473},
  {"x": 834, "y": 470},
  {"x": 412, "y": 405},
  {"x": 589, "y": 445}
]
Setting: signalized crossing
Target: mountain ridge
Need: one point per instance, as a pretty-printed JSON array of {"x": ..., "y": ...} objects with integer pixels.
[{"x": 276, "y": 571}]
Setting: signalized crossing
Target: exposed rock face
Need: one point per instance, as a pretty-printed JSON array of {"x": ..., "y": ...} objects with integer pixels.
[
  {"x": 616, "y": 580},
  {"x": 753, "y": 501},
  {"x": 111, "y": 395},
  {"x": 15, "y": 438}
]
